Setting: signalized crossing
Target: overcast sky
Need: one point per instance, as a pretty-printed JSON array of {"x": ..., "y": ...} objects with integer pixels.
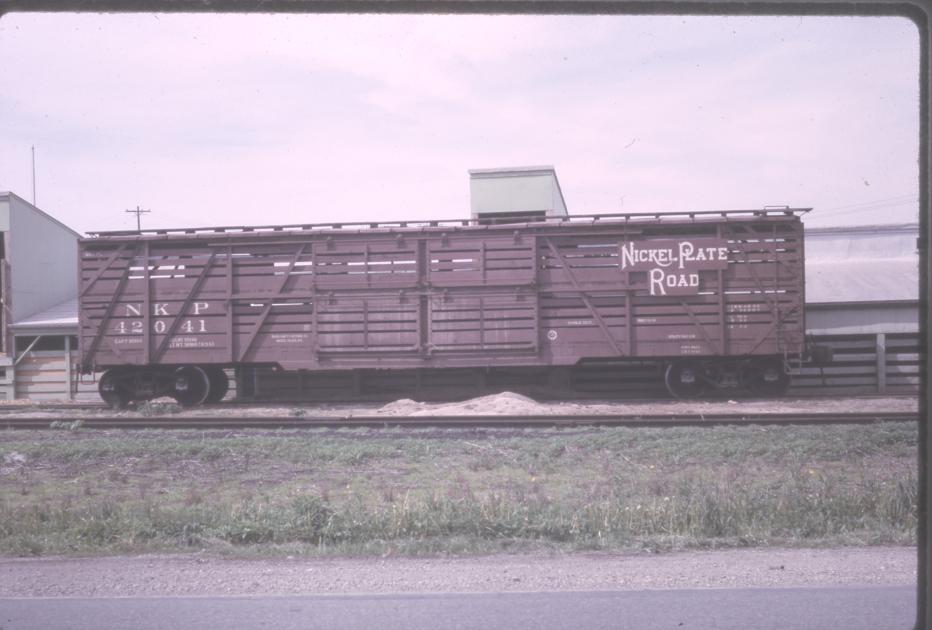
[{"x": 236, "y": 119}]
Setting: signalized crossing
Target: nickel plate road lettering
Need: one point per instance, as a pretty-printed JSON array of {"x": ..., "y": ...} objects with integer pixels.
[{"x": 673, "y": 266}]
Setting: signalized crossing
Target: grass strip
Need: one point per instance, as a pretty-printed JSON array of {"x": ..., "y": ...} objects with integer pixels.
[{"x": 456, "y": 492}]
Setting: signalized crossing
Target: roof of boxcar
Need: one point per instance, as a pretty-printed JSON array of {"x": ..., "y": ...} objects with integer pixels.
[{"x": 640, "y": 218}]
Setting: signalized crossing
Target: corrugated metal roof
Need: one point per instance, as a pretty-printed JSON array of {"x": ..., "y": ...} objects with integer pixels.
[
  {"x": 866, "y": 263},
  {"x": 64, "y": 315},
  {"x": 869, "y": 241},
  {"x": 862, "y": 280}
]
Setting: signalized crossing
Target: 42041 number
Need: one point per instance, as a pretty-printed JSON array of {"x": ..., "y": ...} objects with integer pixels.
[{"x": 135, "y": 327}]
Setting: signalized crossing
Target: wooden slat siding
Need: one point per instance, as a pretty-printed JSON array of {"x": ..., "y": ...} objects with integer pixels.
[
  {"x": 419, "y": 268},
  {"x": 7, "y": 384},
  {"x": 903, "y": 362},
  {"x": 854, "y": 367},
  {"x": 229, "y": 288},
  {"x": 6, "y": 312},
  {"x": 146, "y": 302},
  {"x": 358, "y": 325},
  {"x": 721, "y": 308},
  {"x": 121, "y": 273},
  {"x": 881, "y": 367},
  {"x": 176, "y": 319},
  {"x": 43, "y": 375},
  {"x": 571, "y": 274},
  {"x": 386, "y": 264},
  {"x": 96, "y": 262},
  {"x": 479, "y": 261},
  {"x": 476, "y": 321},
  {"x": 280, "y": 280}
]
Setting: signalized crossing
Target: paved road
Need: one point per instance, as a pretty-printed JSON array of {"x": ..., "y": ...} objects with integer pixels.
[{"x": 842, "y": 608}]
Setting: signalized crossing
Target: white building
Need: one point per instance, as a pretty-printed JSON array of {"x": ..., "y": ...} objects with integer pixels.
[
  {"x": 517, "y": 193},
  {"x": 38, "y": 273},
  {"x": 862, "y": 299}
]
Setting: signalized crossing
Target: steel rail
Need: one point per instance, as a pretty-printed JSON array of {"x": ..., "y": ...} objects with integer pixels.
[
  {"x": 288, "y": 404},
  {"x": 461, "y": 421}
]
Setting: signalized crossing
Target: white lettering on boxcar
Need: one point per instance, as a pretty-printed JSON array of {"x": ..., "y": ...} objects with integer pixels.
[
  {"x": 673, "y": 266},
  {"x": 159, "y": 326},
  {"x": 660, "y": 281},
  {"x": 632, "y": 255},
  {"x": 746, "y": 308},
  {"x": 191, "y": 342},
  {"x": 160, "y": 309},
  {"x": 288, "y": 338}
]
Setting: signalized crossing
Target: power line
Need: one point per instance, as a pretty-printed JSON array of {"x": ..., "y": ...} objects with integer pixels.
[
  {"x": 869, "y": 206},
  {"x": 138, "y": 214},
  {"x": 861, "y": 203},
  {"x": 889, "y": 200}
]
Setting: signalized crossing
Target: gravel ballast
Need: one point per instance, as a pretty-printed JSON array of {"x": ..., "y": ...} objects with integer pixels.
[{"x": 200, "y": 574}]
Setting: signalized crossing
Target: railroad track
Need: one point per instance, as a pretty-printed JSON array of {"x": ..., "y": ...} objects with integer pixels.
[
  {"x": 286, "y": 405},
  {"x": 371, "y": 421}
]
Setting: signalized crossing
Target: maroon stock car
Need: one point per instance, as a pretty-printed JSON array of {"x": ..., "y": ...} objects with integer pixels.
[{"x": 715, "y": 297}]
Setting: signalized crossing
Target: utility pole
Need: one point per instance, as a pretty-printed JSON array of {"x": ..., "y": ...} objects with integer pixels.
[{"x": 138, "y": 214}]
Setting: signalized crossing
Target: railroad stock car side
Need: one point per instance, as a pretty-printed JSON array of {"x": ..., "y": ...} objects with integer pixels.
[{"x": 715, "y": 297}]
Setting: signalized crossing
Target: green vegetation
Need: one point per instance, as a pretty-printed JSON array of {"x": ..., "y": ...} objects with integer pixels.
[{"x": 455, "y": 490}]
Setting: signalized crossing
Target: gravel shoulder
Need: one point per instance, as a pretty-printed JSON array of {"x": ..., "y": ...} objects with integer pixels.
[{"x": 198, "y": 574}]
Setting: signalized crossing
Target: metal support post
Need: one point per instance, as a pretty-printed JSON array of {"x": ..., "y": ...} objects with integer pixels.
[{"x": 881, "y": 350}]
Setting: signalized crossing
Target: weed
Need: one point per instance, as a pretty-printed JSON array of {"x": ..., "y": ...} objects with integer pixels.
[
  {"x": 157, "y": 408},
  {"x": 74, "y": 425},
  {"x": 193, "y": 496}
]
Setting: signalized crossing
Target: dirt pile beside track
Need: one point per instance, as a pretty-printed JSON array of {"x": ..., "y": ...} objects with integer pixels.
[{"x": 503, "y": 404}]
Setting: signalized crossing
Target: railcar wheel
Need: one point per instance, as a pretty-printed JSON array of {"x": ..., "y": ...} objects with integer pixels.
[
  {"x": 766, "y": 379},
  {"x": 190, "y": 386},
  {"x": 684, "y": 379},
  {"x": 112, "y": 389},
  {"x": 219, "y": 384}
]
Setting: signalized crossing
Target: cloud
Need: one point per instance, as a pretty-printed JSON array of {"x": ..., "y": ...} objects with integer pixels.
[{"x": 265, "y": 119}]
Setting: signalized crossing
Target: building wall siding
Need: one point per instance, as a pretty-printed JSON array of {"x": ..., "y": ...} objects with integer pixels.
[
  {"x": 43, "y": 258},
  {"x": 4, "y": 215},
  {"x": 862, "y": 319}
]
